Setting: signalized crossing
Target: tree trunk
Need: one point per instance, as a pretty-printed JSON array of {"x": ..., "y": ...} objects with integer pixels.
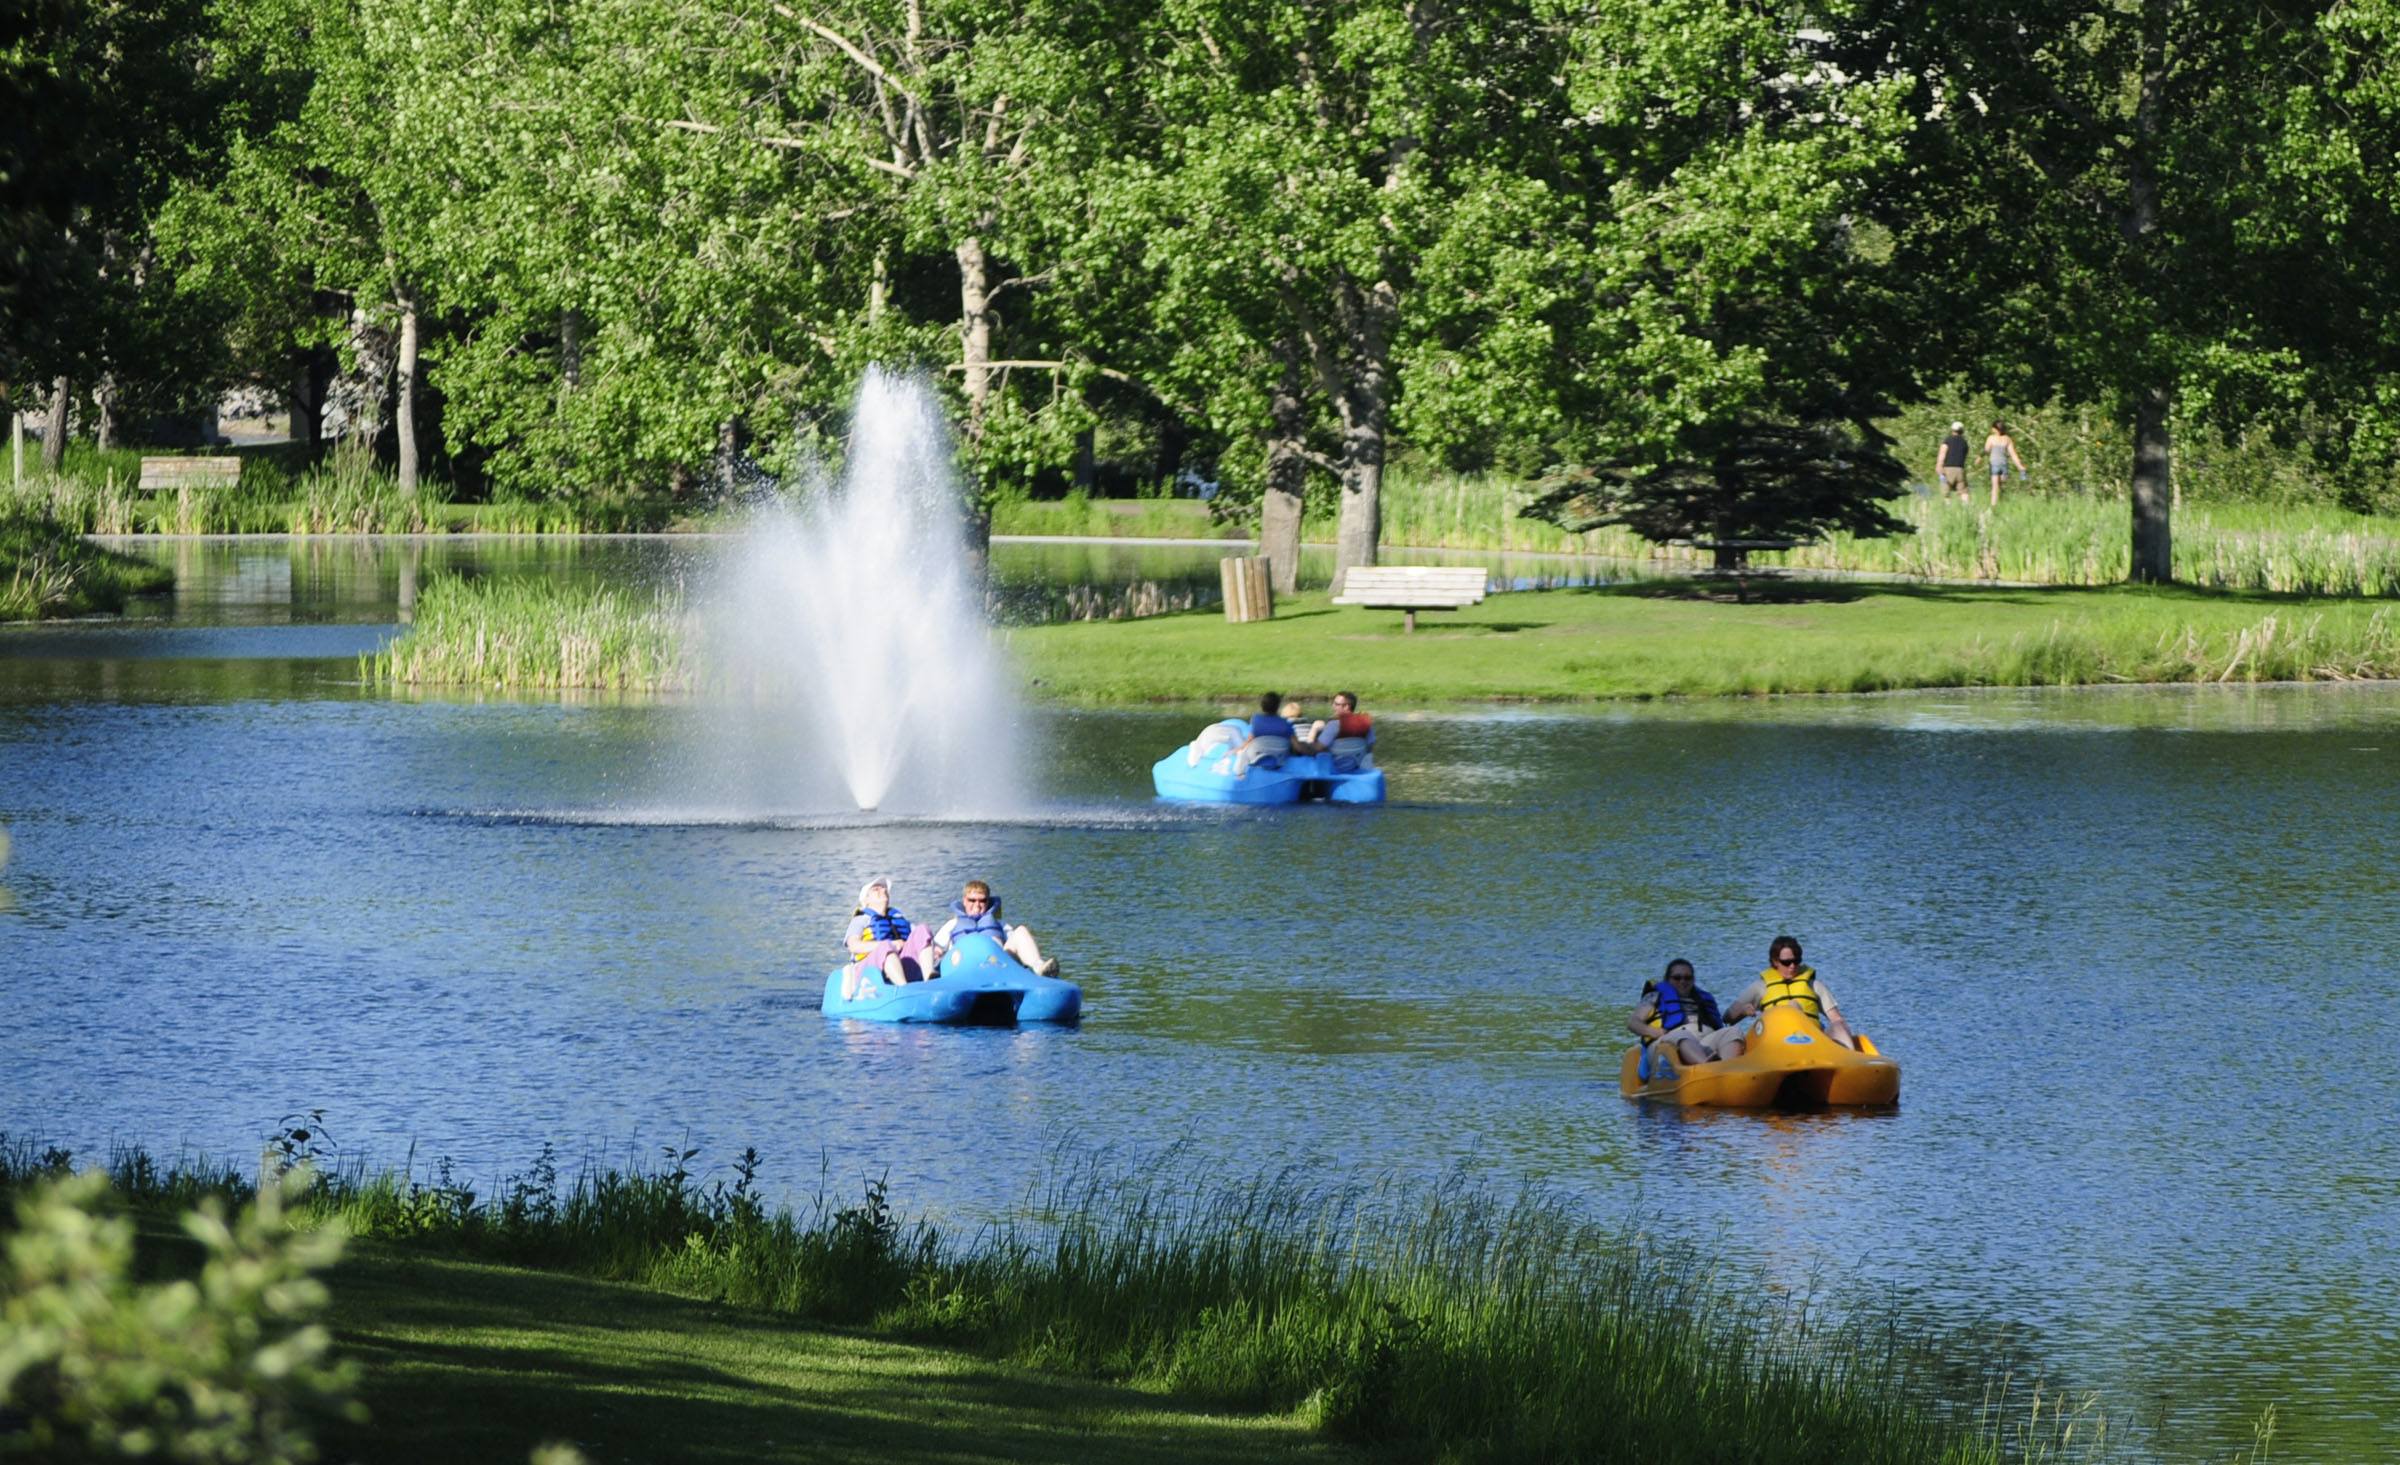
[
  {"x": 727, "y": 467},
  {"x": 404, "y": 425},
  {"x": 308, "y": 403},
  {"x": 104, "y": 432},
  {"x": 2153, "y": 548},
  {"x": 54, "y": 426},
  {"x": 570, "y": 349},
  {"x": 879, "y": 284},
  {"x": 975, "y": 318},
  {"x": 1287, "y": 480}
]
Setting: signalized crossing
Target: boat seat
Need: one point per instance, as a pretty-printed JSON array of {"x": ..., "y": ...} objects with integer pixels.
[
  {"x": 1266, "y": 752},
  {"x": 1351, "y": 754}
]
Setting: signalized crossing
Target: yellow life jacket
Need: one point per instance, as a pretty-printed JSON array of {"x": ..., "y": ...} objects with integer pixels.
[{"x": 1800, "y": 987}]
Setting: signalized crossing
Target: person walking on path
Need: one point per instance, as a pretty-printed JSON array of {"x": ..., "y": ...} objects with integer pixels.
[
  {"x": 1950, "y": 466},
  {"x": 2001, "y": 449}
]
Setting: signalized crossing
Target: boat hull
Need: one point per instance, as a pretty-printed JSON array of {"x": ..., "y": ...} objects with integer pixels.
[
  {"x": 1299, "y": 776},
  {"x": 1790, "y": 1063},
  {"x": 980, "y": 985}
]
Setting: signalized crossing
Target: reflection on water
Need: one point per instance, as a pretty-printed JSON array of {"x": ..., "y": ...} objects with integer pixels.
[{"x": 2132, "y": 947}]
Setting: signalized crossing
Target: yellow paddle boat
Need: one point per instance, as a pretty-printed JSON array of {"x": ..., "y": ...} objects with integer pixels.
[{"x": 1789, "y": 1063}]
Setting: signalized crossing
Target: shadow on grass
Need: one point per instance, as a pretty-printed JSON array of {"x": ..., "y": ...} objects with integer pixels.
[{"x": 475, "y": 1363}]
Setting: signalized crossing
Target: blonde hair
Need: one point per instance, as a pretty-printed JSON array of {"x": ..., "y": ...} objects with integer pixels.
[
  {"x": 977, "y": 887},
  {"x": 1290, "y": 709}
]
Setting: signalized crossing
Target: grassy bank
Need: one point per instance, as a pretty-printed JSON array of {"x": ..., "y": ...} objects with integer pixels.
[
  {"x": 48, "y": 570},
  {"x": 1671, "y": 638},
  {"x": 1678, "y": 639},
  {"x": 1450, "y": 1323}
]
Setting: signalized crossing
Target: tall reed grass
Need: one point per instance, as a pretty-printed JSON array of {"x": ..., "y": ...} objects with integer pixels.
[
  {"x": 538, "y": 633},
  {"x": 1449, "y": 1323},
  {"x": 347, "y": 493}
]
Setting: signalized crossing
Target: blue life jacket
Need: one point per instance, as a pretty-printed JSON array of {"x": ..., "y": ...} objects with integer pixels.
[
  {"x": 886, "y": 925},
  {"x": 1674, "y": 1012},
  {"x": 988, "y": 922}
]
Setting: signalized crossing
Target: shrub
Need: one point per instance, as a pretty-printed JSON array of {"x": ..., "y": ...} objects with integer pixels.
[{"x": 224, "y": 1368}]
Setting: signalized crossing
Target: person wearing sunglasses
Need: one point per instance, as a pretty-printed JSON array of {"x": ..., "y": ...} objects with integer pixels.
[
  {"x": 978, "y": 910},
  {"x": 1676, "y": 1010},
  {"x": 1787, "y": 979}
]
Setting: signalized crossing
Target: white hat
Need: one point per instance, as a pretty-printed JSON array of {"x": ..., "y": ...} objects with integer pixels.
[
  {"x": 870, "y": 885},
  {"x": 1958, "y": 427}
]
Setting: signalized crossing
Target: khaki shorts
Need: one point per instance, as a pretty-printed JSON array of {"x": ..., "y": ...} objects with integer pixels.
[
  {"x": 1715, "y": 1040},
  {"x": 1955, "y": 478}
]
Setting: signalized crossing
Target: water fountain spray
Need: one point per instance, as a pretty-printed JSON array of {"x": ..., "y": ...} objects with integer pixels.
[{"x": 849, "y": 627}]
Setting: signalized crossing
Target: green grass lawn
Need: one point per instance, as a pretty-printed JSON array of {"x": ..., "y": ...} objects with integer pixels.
[
  {"x": 1686, "y": 640},
  {"x": 466, "y": 1362}
]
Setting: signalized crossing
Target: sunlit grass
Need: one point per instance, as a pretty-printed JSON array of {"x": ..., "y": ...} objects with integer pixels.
[{"x": 1448, "y": 1322}]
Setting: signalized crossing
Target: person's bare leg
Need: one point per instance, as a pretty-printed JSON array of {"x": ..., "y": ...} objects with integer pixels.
[
  {"x": 1735, "y": 1048},
  {"x": 1692, "y": 1052},
  {"x": 1995, "y": 490},
  {"x": 1839, "y": 1031},
  {"x": 895, "y": 969},
  {"x": 1023, "y": 947}
]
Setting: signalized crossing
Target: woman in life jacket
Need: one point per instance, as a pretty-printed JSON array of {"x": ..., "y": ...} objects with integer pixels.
[
  {"x": 978, "y": 910},
  {"x": 1787, "y": 980},
  {"x": 882, "y": 940},
  {"x": 1677, "y": 1010}
]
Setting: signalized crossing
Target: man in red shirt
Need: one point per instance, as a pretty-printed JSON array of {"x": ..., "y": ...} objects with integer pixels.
[{"x": 1347, "y": 722}]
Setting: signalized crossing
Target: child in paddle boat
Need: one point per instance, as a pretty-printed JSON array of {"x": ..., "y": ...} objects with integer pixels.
[
  {"x": 1304, "y": 734},
  {"x": 882, "y": 940},
  {"x": 1675, "y": 1010},
  {"x": 1787, "y": 980},
  {"x": 977, "y": 909}
]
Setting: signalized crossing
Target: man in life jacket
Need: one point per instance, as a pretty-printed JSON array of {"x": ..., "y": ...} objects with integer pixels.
[
  {"x": 978, "y": 910},
  {"x": 1348, "y": 723},
  {"x": 1675, "y": 1010},
  {"x": 1786, "y": 980}
]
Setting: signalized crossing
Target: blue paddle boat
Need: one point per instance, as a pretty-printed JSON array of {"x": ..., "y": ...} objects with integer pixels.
[
  {"x": 980, "y": 985},
  {"x": 1205, "y": 771}
]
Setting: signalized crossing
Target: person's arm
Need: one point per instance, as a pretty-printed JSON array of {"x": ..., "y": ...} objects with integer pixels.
[
  {"x": 2013, "y": 458},
  {"x": 1643, "y": 1023},
  {"x": 941, "y": 938},
  {"x": 1746, "y": 1004}
]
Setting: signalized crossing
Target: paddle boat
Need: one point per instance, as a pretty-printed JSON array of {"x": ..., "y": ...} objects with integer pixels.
[
  {"x": 980, "y": 985},
  {"x": 1789, "y": 1063},
  {"x": 1208, "y": 770}
]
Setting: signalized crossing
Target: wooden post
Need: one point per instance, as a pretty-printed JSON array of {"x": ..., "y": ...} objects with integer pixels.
[
  {"x": 1247, "y": 594},
  {"x": 16, "y": 442}
]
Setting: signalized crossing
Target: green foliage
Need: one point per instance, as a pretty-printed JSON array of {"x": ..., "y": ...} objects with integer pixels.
[
  {"x": 1751, "y": 480},
  {"x": 228, "y": 1367}
]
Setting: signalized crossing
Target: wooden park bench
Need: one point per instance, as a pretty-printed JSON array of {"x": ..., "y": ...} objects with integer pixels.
[
  {"x": 1412, "y": 588},
  {"x": 171, "y": 475}
]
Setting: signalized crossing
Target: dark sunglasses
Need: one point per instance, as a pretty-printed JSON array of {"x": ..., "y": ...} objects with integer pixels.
[{"x": 1787, "y": 961}]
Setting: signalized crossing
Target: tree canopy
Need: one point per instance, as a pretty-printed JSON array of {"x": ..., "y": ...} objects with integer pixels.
[{"x": 1692, "y": 249}]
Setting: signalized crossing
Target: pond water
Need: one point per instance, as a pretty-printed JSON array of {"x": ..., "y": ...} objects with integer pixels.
[{"x": 2133, "y": 949}]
